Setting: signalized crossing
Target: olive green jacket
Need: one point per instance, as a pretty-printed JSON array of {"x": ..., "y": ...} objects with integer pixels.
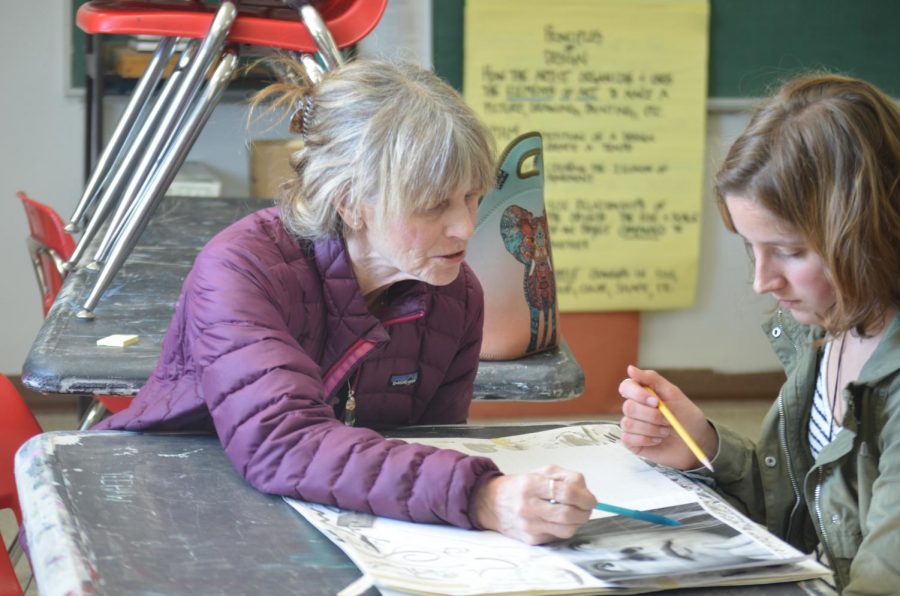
[{"x": 849, "y": 498}]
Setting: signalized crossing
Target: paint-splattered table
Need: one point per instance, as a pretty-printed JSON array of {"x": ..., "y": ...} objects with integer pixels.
[{"x": 64, "y": 358}]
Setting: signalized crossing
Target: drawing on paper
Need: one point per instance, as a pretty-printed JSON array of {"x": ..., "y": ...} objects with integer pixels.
[{"x": 615, "y": 548}]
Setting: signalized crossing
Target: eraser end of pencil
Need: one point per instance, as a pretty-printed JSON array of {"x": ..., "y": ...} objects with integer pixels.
[{"x": 118, "y": 340}]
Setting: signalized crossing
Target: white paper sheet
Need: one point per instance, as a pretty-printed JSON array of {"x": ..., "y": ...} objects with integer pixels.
[{"x": 612, "y": 473}]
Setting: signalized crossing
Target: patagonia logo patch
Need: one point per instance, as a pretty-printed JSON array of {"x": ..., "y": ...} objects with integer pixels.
[{"x": 403, "y": 380}]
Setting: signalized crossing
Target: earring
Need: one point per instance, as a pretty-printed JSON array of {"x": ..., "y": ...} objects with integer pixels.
[{"x": 353, "y": 223}]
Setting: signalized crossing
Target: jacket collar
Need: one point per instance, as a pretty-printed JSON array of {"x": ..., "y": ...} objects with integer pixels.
[
  {"x": 347, "y": 316},
  {"x": 788, "y": 338}
]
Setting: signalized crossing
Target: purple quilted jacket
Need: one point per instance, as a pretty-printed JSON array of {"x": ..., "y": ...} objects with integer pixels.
[{"x": 266, "y": 335}]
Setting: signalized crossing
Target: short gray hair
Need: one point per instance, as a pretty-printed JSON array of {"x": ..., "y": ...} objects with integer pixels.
[{"x": 393, "y": 134}]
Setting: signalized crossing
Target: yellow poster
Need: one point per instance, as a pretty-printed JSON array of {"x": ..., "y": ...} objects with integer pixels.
[{"x": 617, "y": 89}]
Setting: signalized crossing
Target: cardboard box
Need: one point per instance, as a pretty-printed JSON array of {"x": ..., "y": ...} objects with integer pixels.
[
  {"x": 129, "y": 63},
  {"x": 270, "y": 165}
]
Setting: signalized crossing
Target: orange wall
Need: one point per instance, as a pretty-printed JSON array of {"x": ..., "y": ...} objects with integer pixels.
[{"x": 603, "y": 344}]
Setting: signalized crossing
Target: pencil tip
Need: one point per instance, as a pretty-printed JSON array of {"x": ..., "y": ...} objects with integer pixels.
[{"x": 708, "y": 465}]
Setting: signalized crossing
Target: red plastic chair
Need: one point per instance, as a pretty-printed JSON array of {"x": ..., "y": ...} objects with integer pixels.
[
  {"x": 17, "y": 425},
  {"x": 49, "y": 246}
]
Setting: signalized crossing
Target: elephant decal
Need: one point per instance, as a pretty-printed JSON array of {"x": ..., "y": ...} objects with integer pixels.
[{"x": 527, "y": 238}]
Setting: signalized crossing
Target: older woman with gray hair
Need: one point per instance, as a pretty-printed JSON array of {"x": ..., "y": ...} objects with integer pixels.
[{"x": 303, "y": 330}]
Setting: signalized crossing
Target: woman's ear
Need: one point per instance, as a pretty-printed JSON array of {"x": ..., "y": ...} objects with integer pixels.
[{"x": 350, "y": 217}]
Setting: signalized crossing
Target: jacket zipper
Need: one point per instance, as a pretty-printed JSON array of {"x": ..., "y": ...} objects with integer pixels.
[
  {"x": 782, "y": 438},
  {"x": 405, "y": 318},
  {"x": 818, "y": 508},
  {"x": 343, "y": 367}
]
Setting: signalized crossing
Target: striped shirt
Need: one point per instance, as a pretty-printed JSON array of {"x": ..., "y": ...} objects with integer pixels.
[{"x": 822, "y": 425}]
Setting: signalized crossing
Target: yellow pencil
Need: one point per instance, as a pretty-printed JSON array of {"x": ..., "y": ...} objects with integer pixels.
[{"x": 692, "y": 445}]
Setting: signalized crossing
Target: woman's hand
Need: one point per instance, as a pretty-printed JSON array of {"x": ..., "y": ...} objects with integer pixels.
[
  {"x": 647, "y": 433},
  {"x": 536, "y": 507}
]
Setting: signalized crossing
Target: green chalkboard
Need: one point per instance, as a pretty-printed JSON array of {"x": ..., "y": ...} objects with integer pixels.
[
  {"x": 77, "y": 66},
  {"x": 755, "y": 43}
]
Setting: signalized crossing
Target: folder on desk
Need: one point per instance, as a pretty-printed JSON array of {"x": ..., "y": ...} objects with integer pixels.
[{"x": 714, "y": 545}]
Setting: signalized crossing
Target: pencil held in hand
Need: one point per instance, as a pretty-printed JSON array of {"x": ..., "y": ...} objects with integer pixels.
[
  {"x": 692, "y": 445},
  {"x": 634, "y": 514}
]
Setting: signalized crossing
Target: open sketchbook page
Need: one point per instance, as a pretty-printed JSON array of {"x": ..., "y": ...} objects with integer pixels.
[
  {"x": 593, "y": 450},
  {"x": 433, "y": 559},
  {"x": 714, "y": 545}
]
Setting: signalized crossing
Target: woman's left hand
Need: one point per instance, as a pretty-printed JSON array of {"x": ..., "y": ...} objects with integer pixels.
[{"x": 537, "y": 507}]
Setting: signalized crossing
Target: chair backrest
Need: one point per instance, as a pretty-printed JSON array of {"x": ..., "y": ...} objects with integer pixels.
[
  {"x": 269, "y": 24},
  {"x": 17, "y": 425},
  {"x": 46, "y": 226},
  {"x": 49, "y": 246}
]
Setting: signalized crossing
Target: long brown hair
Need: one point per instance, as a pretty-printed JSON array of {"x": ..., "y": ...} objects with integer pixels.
[{"x": 823, "y": 154}]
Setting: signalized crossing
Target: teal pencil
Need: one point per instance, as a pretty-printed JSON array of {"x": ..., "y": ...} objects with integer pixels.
[{"x": 634, "y": 514}]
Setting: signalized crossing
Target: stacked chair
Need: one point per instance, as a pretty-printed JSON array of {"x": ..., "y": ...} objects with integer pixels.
[{"x": 165, "y": 115}]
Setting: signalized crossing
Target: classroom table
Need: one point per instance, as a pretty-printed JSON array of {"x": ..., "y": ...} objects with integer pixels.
[
  {"x": 64, "y": 358},
  {"x": 130, "y": 513}
]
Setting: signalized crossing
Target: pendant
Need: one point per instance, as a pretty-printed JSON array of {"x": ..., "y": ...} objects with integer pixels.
[{"x": 350, "y": 408}]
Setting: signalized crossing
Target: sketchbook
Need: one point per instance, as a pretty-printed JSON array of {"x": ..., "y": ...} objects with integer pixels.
[{"x": 714, "y": 545}]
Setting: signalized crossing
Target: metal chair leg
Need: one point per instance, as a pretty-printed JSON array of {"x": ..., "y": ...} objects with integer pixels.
[
  {"x": 15, "y": 550},
  {"x": 313, "y": 71},
  {"x": 132, "y": 173},
  {"x": 328, "y": 49},
  {"x": 172, "y": 119},
  {"x": 155, "y": 189},
  {"x": 34, "y": 250},
  {"x": 136, "y": 106},
  {"x": 93, "y": 416},
  {"x": 315, "y": 24},
  {"x": 126, "y": 166},
  {"x": 15, "y": 553}
]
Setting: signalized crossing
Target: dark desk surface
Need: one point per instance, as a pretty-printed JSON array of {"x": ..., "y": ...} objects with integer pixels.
[
  {"x": 127, "y": 513},
  {"x": 140, "y": 300}
]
